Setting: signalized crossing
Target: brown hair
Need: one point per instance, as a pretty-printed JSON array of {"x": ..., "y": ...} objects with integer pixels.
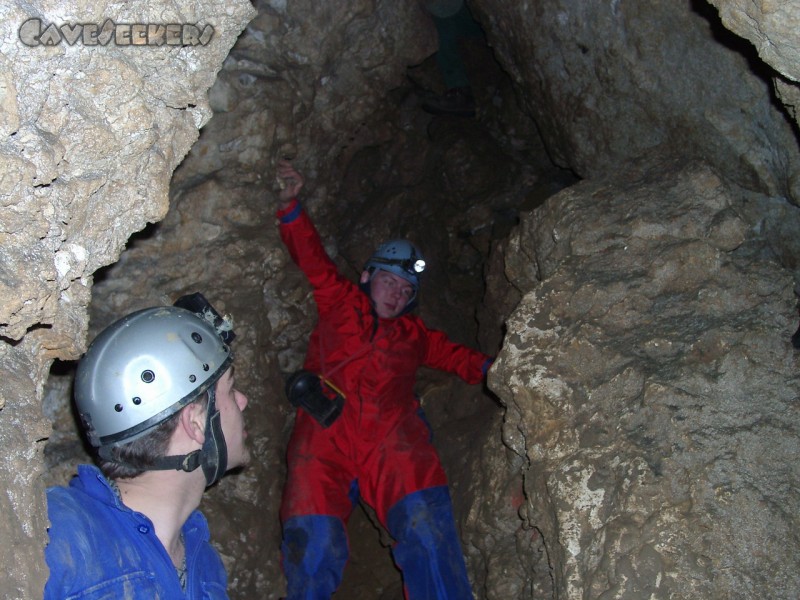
[{"x": 134, "y": 458}]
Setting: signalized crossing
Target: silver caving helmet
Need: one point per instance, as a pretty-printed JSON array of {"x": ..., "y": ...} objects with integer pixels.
[{"x": 144, "y": 368}]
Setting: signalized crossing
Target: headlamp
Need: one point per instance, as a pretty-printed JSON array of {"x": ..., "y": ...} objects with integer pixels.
[
  {"x": 409, "y": 265},
  {"x": 198, "y": 304}
]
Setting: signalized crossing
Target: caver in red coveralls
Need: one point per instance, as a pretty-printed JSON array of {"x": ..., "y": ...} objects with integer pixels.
[{"x": 379, "y": 449}]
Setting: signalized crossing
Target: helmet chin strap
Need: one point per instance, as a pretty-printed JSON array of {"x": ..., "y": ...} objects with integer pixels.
[
  {"x": 212, "y": 457},
  {"x": 214, "y": 454}
]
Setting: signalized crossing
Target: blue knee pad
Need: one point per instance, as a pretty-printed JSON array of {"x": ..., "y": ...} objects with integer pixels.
[
  {"x": 428, "y": 549},
  {"x": 314, "y": 553}
]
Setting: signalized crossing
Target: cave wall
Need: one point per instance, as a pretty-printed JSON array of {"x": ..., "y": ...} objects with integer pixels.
[
  {"x": 307, "y": 80},
  {"x": 652, "y": 387},
  {"x": 648, "y": 373},
  {"x": 90, "y": 137},
  {"x": 609, "y": 81},
  {"x": 545, "y": 508},
  {"x": 772, "y": 28}
]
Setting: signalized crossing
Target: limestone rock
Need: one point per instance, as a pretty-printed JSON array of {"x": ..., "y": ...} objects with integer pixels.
[
  {"x": 652, "y": 308},
  {"x": 651, "y": 389},
  {"x": 608, "y": 81},
  {"x": 306, "y": 79},
  {"x": 772, "y": 27},
  {"x": 91, "y": 129}
]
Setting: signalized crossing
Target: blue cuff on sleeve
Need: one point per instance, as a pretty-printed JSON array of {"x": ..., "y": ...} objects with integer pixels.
[
  {"x": 293, "y": 213},
  {"x": 486, "y": 366}
]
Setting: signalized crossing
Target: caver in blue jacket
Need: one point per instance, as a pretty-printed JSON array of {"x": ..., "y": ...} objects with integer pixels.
[{"x": 101, "y": 549}]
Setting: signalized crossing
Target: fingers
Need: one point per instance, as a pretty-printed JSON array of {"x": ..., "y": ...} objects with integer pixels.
[
  {"x": 289, "y": 179},
  {"x": 288, "y": 172}
]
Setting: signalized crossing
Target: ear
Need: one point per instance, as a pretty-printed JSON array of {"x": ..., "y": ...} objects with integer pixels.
[
  {"x": 365, "y": 276},
  {"x": 192, "y": 420}
]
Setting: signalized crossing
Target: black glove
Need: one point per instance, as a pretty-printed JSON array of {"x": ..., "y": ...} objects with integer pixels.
[{"x": 322, "y": 401}]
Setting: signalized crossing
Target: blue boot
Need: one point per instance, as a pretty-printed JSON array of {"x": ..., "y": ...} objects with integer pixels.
[
  {"x": 428, "y": 549},
  {"x": 314, "y": 553}
]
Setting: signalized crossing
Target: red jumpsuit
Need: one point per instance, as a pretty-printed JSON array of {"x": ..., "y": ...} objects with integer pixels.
[{"x": 379, "y": 448}]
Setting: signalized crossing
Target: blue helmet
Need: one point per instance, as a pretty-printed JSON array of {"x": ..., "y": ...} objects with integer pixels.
[{"x": 400, "y": 257}]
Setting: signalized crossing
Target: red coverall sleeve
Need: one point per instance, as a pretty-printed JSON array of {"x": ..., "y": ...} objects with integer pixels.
[
  {"x": 446, "y": 355},
  {"x": 305, "y": 247}
]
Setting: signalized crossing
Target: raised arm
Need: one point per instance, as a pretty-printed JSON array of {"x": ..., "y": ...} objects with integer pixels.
[
  {"x": 290, "y": 182},
  {"x": 304, "y": 244}
]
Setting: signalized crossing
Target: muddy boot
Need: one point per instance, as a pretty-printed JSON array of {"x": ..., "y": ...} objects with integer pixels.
[{"x": 456, "y": 102}]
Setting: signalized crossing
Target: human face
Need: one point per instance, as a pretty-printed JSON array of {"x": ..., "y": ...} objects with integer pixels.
[
  {"x": 230, "y": 403},
  {"x": 390, "y": 294}
]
